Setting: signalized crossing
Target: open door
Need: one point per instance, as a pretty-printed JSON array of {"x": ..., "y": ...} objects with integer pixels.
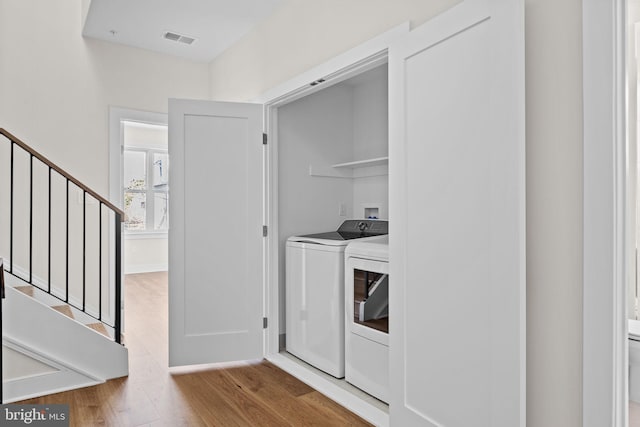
[
  {"x": 215, "y": 236},
  {"x": 457, "y": 219}
]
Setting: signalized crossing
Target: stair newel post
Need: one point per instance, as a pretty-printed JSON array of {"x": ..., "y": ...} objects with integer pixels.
[{"x": 118, "y": 274}]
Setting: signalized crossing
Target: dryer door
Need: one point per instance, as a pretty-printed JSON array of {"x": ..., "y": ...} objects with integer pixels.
[{"x": 215, "y": 238}]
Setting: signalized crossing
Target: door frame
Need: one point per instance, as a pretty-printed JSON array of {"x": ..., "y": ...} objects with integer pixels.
[
  {"x": 605, "y": 230},
  {"x": 348, "y": 64}
]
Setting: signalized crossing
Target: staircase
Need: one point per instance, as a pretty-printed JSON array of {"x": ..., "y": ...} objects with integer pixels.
[{"x": 61, "y": 244}]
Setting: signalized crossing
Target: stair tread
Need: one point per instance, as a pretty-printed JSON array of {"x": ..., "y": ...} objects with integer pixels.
[
  {"x": 27, "y": 290},
  {"x": 64, "y": 309},
  {"x": 99, "y": 327}
]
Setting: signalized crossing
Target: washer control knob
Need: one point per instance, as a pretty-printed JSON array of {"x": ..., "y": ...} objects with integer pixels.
[{"x": 362, "y": 226}]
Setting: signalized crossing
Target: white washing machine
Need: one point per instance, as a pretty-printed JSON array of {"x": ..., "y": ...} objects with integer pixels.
[
  {"x": 367, "y": 322},
  {"x": 314, "y": 287}
]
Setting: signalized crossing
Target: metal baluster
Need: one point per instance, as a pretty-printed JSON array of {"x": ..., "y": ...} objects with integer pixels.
[
  {"x": 49, "y": 239},
  {"x": 31, "y": 219},
  {"x": 84, "y": 249},
  {"x": 11, "y": 214},
  {"x": 100, "y": 261},
  {"x": 118, "y": 273},
  {"x": 66, "y": 297}
]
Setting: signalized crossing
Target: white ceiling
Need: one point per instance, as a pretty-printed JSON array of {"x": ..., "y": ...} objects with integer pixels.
[{"x": 215, "y": 24}]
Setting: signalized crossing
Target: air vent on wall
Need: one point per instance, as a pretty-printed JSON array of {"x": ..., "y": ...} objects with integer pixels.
[{"x": 170, "y": 35}]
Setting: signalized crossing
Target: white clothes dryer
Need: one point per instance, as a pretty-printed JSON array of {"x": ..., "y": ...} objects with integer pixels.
[
  {"x": 367, "y": 317},
  {"x": 315, "y": 292}
]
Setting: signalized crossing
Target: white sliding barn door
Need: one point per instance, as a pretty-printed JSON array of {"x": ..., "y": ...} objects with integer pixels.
[
  {"x": 215, "y": 235},
  {"x": 457, "y": 238}
]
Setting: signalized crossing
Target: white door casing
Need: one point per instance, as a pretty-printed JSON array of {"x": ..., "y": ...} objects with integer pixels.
[
  {"x": 605, "y": 335},
  {"x": 457, "y": 219},
  {"x": 215, "y": 238}
]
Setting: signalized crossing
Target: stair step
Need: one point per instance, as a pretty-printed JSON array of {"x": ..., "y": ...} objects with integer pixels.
[
  {"x": 99, "y": 327},
  {"x": 68, "y": 310},
  {"x": 64, "y": 309},
  {"x": 27, "y": 290}
]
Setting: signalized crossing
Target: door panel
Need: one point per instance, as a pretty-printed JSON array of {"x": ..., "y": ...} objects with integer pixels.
[
  {"x": 457, "y": 217},
  {"x": 215, "y": 236}
]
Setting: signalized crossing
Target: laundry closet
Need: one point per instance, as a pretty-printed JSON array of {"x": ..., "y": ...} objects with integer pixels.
[
  {"x": 333, "y": 155},
  {"x": 448, "y": 173},
  {"x": 332, "y": 165}
]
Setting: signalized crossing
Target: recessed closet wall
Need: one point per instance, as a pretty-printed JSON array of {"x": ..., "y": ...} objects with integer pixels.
[{"x": 343, "y": 123}]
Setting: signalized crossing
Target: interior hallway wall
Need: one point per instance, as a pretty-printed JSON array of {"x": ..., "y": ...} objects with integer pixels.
[
  {"x": 57, "y": 86},
  {"x": 303, "y": 34},
  {"x": 554, "y": 212}
]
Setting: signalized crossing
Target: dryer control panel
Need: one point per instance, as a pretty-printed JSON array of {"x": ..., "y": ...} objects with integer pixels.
[{"x": 365, "y": 227}]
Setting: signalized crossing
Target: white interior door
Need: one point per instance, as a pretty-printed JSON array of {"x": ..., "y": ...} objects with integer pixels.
[
  {"x": 457, "y": 238},
  {"x": 215, "y": 235}
]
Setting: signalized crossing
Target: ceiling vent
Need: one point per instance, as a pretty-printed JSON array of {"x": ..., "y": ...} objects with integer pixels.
[{"x": 170, "y": 35}]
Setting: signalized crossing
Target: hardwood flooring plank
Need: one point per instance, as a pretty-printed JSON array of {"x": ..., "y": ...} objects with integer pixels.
[
  {"x": 332, "y": 410},
  {"x": 269, "y": 372},
  {"x": 253, "y": 410},
  {"x": 209, "y": 405},
  {"x": 277, "y": 394}
]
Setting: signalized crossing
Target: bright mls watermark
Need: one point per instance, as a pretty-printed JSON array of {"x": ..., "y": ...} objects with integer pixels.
[{"x": 34, "y": 415}]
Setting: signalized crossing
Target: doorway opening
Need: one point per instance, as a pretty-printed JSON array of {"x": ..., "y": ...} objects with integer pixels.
[
  {"x": 145, "y": 195},
  {"x": 139, "y": 185},
  {"x": 328, "y": 158}
]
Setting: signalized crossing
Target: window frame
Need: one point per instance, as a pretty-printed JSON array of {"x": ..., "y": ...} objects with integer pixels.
[{"x": 149, "y": 231}]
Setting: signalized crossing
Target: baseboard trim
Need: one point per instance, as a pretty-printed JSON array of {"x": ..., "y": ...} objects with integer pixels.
[
  {"x": 43, "y": 385},
  {"x": 145, "y": 268}
]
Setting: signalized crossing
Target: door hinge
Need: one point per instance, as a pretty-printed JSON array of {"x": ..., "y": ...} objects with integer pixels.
[
  {"x": 264, "y": 139},
  {"x": 264, "y": 231},
  {"x": 264, "y": 323}
]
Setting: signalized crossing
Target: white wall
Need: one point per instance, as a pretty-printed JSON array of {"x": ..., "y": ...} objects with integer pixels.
[
  {"x": 56, "y": 86},
  {"x": 371, "y": 138},
  {"x": 554, "y": 212},
  {"x": 316, "y": 130},
  {"x": 303, "y": 34},
  {"x": 56, "y": 91},
  {"x": 144, "y": 255}
]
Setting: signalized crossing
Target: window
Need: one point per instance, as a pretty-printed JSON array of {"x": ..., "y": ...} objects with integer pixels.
[{"x": 146, "y": 190}]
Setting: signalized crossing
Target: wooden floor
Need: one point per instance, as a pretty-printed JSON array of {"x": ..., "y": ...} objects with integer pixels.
[
  {"x": 257, "y": 394},
  {"x": 634, "y": 414}
]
